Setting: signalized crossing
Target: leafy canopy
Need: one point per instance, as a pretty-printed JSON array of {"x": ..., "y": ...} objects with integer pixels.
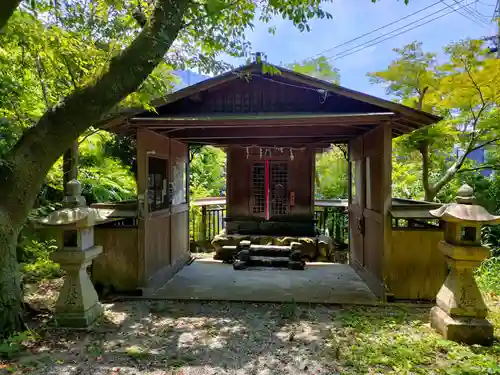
[{"x": 463, "y": 89}]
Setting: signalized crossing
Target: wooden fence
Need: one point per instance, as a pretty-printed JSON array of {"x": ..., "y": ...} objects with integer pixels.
[{"x": 207, "y": 218}]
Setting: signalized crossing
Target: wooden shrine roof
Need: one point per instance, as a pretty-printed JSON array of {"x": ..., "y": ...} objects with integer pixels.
[{"x": 248, "y": 106}]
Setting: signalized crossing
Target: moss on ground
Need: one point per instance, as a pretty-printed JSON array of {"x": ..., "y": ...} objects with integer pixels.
[{"x": 400, "y": 341}]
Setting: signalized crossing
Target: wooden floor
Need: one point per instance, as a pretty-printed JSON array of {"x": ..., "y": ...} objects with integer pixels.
[{"x": 319, "y": 283}]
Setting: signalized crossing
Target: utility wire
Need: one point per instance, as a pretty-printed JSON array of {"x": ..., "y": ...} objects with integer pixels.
[
  {"x": 477, "y": 20},
  {"x": 483, "y": 3},
  {"x": 478, "y": 13},
  {"x": 373, "y": 31},
  {"x": 475, "y": 13},
  {"x": 496, "y": 11},
  {"x": 362, "y": 46}
]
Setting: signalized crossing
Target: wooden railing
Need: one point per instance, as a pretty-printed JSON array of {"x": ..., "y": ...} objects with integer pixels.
[{"x": 207, "y": 218}]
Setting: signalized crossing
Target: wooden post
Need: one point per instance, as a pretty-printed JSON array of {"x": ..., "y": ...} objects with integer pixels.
[
  {"x": 70, "y": 164},
  {"x": 325, "y": 220},
  {"x": 338, "y": 225},
  {"x": 203, "y": 225}
]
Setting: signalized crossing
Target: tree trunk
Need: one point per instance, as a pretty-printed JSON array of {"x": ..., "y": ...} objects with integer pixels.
[
  {"x": 317, "y": 180},
  {"x": 26, "y": 165},
  {"x": 11, "y": 314},
  {"x": 423, "y": 148},
  {"x": 7, "y": 8}
]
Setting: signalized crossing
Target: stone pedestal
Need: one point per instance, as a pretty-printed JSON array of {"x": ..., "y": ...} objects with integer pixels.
[
  {"x": 78, "y": 304},
  {"x": 460, "y": 312},
  {"x": 461, "y": 329}
]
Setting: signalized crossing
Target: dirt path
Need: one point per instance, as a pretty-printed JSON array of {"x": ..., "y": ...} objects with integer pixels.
[
  {"x": 192, "y": 338},
  {"x": 221, "y": 338}
]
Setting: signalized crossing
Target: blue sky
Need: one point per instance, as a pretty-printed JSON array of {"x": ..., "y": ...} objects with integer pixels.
[{"x": 353, "y": 18}]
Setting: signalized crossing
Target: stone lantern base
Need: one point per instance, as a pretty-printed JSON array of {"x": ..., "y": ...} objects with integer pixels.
[
  {"x": 78, "y": 304},
  {"x": 462, "y": 329}
]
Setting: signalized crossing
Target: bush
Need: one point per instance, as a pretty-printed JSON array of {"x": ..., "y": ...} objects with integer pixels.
[
  {"x": 15, "y": 344},
  {"x": 488, "y": 275},
  {"x": 39, "y": 266}
]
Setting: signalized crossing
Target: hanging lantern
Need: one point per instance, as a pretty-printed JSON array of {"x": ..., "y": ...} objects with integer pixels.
[
  {"x": 247, "y": 150},
  {"x": 260, "y": 152},
  {"x": 268, "y": 153},
  {"x": 291, "y": 155}
]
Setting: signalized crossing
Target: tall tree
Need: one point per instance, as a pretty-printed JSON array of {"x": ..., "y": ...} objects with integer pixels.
[
  {"x": 203, "y": 29},
  {"x": 318, "y": 67},
  {"x": 6, "y": 9},
  {"x": 463, "y": 90}
]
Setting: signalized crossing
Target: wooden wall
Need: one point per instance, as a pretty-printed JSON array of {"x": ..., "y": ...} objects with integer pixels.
[
  {"x": 378, "y": 167},
  {"x": 415, "y": 268},
  {"x": 238, "y": 182},
  {"x": 369, "y": 219},
  {"x": 356, "y": 202},
  {"x": 163, "y": 240},
  {"x": 239, "y": 179},
  {"x": 179, "y": 155},
  {"x": 117, "y": 265}
]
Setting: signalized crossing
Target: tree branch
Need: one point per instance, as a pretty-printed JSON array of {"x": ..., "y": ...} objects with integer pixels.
[
  {"x": 40, "y": 146},
  {"x": 423, "y": 148},
  {"x": 485, "y": 144},
  {"x": 7, "y": 8},
  {"x": 474, "y": 83},
  {"x": 421, "y": 98},
  {"x": 483, "y": 167},
  {"x": 39, "y": 70}
]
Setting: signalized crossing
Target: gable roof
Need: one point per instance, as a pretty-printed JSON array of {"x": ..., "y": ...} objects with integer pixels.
[
  {"x": 178, "y": 115},
  {"x": 424, "y": 118}
]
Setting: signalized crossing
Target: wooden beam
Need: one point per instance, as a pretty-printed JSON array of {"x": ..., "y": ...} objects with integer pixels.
[
  {"x": 256, "y": 121},
  {"x": 294, "y": 145},
  {"x": 268, "y": 141},
  {"x": 278, "y": 132}
]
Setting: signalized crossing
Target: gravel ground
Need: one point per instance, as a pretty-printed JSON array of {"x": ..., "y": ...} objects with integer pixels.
[
  {"x": 169, "y": 337},
  {"x": 219, "y": 338}
]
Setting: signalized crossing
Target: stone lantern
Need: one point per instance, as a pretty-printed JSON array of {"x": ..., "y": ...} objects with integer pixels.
[
  {"x": 78, "y": 304},
  {"x": 460, "y": 314}
]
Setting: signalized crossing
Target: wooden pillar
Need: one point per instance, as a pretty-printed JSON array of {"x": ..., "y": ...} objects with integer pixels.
[
  {"x": 203, "y": 224},
  {"x": 70, "y": 164}
]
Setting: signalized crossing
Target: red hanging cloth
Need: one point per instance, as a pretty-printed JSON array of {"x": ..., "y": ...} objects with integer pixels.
[{"x": 266, "y": 186}]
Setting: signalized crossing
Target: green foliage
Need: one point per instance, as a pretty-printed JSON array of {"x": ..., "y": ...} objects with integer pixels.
[
  {"x": 398, "y": 341},
  {"x": 410, "y": 76},
  {"x": 15, "y": 344},
  {"x": 331, "y": 179},
  {"x": 488, "y": 275},
  {"x": 37, "y": 263},
  {"x": 207, "y": 179},
  {"x": 103, "y": 177},
  {"x": 207, "y": 170},
  {"x": 319, "y": 67},
  {"x": 464, "y": 90}
]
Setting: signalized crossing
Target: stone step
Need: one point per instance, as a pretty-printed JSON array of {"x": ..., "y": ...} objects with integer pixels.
[
  {"x": 268, "y": 261},
  {"x": 270, "y": 251}
]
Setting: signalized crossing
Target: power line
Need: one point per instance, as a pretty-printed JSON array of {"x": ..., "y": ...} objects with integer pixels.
[
  {"x": 483, "y": 3},
  {"x": 364, "y": 45},
  {"x": 496, "y": 11},
  {"x": 474, "y": 12},
  {"x": 373, "y": 31},
  {"x": 483, "y": 16},
  {"x": 477, "y": 20}
]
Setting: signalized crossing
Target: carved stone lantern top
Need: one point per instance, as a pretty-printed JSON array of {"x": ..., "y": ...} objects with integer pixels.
[
  {"x": 465, "y": 210},
  {"x": 75, "y": 214},
  {"x": 78, "y": 217}
]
